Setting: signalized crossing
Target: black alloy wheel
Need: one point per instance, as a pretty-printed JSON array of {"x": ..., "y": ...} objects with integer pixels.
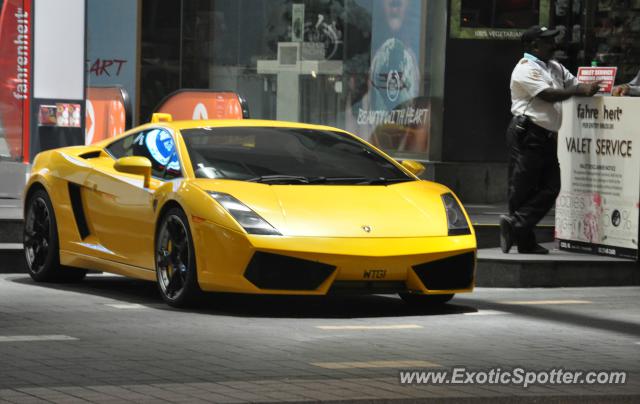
[
  {"x": 41, "y": 245},
  {"x": 415, "y": 299},
  {"x": 175, "y": 261}
]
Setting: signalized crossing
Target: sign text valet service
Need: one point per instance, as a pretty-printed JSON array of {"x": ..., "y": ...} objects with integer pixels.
[{"x": 599, "y": 151}]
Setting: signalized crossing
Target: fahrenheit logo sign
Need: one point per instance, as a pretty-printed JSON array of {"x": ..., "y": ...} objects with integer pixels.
[
  {"x": 22, "y": 51},
  {"x": 200, "y": 112}
]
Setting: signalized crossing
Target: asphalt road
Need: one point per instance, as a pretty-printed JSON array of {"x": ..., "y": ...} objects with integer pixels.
[{"x": 111, "y": 339}]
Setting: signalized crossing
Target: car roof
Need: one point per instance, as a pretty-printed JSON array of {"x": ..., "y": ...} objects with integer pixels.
[
  {"x": 217, "y": 123},
  {"x": 213, "y": 123}
]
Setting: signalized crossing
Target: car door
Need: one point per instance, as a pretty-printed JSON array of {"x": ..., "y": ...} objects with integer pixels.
[{"x": 120, "y": 207}]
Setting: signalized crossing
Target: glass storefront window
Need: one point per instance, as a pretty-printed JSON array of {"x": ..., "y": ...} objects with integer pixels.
[
  {"x": 111, "y": 68},
  {"x": 616, "y": 37},
  {"x": 496, "y": 19},
  {"x": 360, "y": 65},
  {"x": 499, "y": 14}
]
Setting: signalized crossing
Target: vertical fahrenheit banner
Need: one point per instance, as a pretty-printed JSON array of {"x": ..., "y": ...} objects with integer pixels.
[
  {"x": 598, "y": 207},
  {"x": 15, "y": 76}
]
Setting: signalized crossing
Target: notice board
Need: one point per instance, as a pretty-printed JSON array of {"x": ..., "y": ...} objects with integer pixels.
[{"x": 599, "y": 152}]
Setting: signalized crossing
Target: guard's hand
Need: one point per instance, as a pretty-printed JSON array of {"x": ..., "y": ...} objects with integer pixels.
[
  {"x": 620, "y": 90},
  {"x": 589, "y": 89}
]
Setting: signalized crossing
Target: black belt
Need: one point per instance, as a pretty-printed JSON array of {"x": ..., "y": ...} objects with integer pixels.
[
  {"x": 540, "y": 131},
  {"x": 537, "y": 129}
]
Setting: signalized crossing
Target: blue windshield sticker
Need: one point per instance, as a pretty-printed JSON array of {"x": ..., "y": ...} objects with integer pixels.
[{"x": 162, "y": 148}]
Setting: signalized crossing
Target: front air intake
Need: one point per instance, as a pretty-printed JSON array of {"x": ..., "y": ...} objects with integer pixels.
[
  {"x": 274, "y": 271},
  {"x": 449, "y": 273}
]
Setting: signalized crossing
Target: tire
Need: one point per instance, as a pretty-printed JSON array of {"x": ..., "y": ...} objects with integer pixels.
[
  {"x": 175, "y": 262},
  {"x": 425, "y": 300},
  {"x": 41, "y": 244}
]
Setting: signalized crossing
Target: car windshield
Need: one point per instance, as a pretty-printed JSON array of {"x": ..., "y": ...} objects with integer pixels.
[{"x": 287, "y": 155}]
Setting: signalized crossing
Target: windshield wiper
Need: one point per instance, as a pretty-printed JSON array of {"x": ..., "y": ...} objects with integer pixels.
[
  {"x": 383, "y": 181},
  {"x": 336, "y": 180},
  {"x": 298, "y": 179},
  {"x": 356, "y": 180},
  {"x": 280, "y": 179}
]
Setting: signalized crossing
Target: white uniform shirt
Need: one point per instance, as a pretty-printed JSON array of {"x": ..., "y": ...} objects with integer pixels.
[{"x": 529, "y": 78}]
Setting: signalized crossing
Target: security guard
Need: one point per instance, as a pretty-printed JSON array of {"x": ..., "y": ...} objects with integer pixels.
[{"x": 538, "y": 87}]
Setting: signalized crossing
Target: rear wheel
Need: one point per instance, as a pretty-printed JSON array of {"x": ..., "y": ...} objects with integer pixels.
[
  {"x": 425, "y": 300},
  {"x": 175, "y": 261},
  {"x": 40, "y": 240}
]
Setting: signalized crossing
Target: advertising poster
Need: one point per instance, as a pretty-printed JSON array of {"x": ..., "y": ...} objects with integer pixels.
[
  {"x": 599, "y": 152},
  {"x": 112, "y": 45},
  {"x": 394, "y": 114},
  {"x": 47, "y": 115}
]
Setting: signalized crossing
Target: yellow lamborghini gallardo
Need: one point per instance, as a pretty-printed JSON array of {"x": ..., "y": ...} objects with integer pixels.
[{"x": 246, "y": 206}]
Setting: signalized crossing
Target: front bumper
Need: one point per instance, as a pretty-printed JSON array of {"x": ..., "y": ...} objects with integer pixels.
[{"x": 229, "y": 261}]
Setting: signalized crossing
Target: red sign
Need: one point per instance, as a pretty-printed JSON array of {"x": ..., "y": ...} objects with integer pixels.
[
  {"x": 194, "y": 104},
  {"x": 607, "y": 75},
  {"x": 105, "y": 113},
  {"x": 15, "y": 81}
]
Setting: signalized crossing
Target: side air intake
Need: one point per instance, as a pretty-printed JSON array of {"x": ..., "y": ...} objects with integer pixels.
[{"x": 78, "y": 211}]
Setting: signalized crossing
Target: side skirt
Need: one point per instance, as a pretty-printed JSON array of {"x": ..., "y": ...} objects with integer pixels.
[{"x": 73, "y": 259}]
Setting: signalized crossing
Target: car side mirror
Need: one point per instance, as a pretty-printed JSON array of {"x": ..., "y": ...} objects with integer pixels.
[
  {"x": 135, "y": 165},
  {"x": 413, "y": 166}
]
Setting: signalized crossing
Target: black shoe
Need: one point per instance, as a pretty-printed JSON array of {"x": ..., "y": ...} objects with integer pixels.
[
  {"x": 536, "y": 249},
  {"x": 507, "y": 233}
]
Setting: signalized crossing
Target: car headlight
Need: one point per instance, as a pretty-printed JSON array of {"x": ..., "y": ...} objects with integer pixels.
[
  {"x": 456, "y": 220},
  {"x": 247, "y": 218}
]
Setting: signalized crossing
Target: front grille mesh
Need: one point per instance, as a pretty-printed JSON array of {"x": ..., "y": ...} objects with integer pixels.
[
  {"x": 450, "y": 273},
  {"x": 275, "y": 271}
]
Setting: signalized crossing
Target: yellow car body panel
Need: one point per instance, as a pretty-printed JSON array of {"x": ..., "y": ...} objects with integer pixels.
[{"x": 360, "y": 230}]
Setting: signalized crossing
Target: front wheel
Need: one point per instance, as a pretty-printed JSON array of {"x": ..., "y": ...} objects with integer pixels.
[
  {"x": 425, "y": 300},
  {"x": 41, "y": 245},
  {"x": 175, "y": 261}
]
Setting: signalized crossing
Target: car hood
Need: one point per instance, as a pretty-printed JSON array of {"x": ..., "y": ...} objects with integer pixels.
[{"x": 411, "y": 209}]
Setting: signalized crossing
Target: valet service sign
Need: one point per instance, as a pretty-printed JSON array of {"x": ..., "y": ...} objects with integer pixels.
[{"x": 599, "y": 152}]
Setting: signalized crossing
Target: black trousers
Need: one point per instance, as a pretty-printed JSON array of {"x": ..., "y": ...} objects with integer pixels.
[{"x": 534, "y": 178}]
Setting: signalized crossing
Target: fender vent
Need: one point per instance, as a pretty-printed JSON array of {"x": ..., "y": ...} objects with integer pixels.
[
  {"x": 90, "y": 155},
  {"x": 78, "y": 211}
]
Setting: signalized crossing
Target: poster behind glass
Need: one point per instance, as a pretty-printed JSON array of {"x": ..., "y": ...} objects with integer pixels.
[{"x": 393, "y": 113}]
